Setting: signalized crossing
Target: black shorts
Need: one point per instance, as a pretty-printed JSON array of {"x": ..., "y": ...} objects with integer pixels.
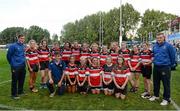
[
  {"x": 146, "y": 71},
  {"x": 122, "y": 91},
  {"x": 109, "y": 86},
  {"x": 44, "y": 65},
  {"x": 95, "y": 88},
  {"x": 83, "y": 88},
  {"x": 72, "y": 80},
  {"x": 35, "y": 67}
]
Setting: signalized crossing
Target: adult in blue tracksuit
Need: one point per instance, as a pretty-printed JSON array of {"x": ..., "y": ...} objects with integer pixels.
[
  {"x": 16, "y": 59},
  {"x": 164, "y": 59}
]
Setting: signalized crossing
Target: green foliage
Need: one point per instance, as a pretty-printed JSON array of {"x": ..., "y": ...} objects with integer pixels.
[
  {"x": 154, "y": 21},
  {"x": 55, "y": 38},
  {"x": 87, "y": 29},
  {"x": 10, "y": 34},
  {"x": 37, "y": 33}
]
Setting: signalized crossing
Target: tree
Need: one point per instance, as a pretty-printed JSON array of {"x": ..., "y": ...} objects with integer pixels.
[
  {"x": 87, "y": 29},
  {"x": 37, "y": 33},
  {"x": 154, "y": 22},
  {"x": 55, "y": 38},
  {"x": 9, "y": 35}
]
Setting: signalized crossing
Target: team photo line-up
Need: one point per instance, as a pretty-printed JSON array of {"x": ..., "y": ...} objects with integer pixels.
[{"x": 83, "y": 68}]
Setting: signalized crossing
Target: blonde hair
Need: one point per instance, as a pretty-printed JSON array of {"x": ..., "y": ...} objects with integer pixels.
[{"x": 30, "y": 41}]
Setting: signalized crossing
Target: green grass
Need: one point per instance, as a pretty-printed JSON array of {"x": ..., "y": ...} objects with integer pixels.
[{"x": 76, "y": 101}]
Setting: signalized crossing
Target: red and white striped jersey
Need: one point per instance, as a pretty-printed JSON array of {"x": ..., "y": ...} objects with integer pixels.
[
  {"x": 76, "y": 54},
  {"x": 121, "y": 75},
  {"x": 146, "y": 56},
  {"x": 82, "y": 71},
  {"x": 135, "y": 58},
  {"x": 32, "y": 56},
  {"x": 107, "y": 72},
  {"x": 84, "y": 53},
  {"x": 103, "y": 59},
  {"x": 95, "y": 54},
  {"x": 114, "y": 57},
  {"x": 125, "y": 53},
  {"x": 95, "y": 75},
  {"x": 53, "y": 50},
  {"x": 43, "y": 54},
  {"x": 72, "y": 70},
  {"x": 66, "y": 54}
]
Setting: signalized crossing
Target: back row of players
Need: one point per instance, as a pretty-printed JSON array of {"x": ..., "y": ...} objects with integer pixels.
[{"x": 94, "y": 68}]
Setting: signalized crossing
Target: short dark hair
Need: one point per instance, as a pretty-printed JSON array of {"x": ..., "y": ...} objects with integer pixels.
[
  {"x": 160, "y": 33},
  {"x": 57, "y": 53},
  {"x": 20, "y": 35}
]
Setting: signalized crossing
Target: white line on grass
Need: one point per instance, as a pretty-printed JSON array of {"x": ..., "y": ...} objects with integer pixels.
[
  {"x": 2, "y": 83},
  {"x": 10, "y": 107},
  {"x": 173, "y": 103}
]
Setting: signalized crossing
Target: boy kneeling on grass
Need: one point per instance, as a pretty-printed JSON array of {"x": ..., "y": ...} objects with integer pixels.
[{"x": 56, "y": 75}]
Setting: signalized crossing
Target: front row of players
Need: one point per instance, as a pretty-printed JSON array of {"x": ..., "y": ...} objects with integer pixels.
[{"x": 111, "y": 78}]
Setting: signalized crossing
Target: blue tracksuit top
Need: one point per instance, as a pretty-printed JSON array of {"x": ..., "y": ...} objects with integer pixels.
[
  {"x": 16, "y": 55},
  {"x": 57, "y": 70},
  {"x": 164, "y": 54}
]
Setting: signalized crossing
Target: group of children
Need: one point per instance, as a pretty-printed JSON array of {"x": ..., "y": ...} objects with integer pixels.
[{"x": 85, "y": 68}]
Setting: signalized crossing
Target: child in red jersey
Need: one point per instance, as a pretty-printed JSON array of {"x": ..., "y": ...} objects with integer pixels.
[
  {"x": 120, "y": 78},
  {"x": 94, "y": 52},
  {"x": 135, "y": 67},
  {"x": 146, "y": 69},
  {"x": 104, "y": 55},
  {"x": 66, "y": 52},
  {"x": 82, "y": 76},
  {"x": 114, "y": 51},
  {"x": 76, "y": 52},
  {"x": 95, "y": 78},
  {"x": 124, "y": 52},
  {"x": 85, "y": 50},
  {"x": 44, "y": 55},
  {"x": 71, "y": 72},
  {"x": 108, "y": 84},
  {"x": 33, "y": 64},
  {"x": 54, "y": 49}
]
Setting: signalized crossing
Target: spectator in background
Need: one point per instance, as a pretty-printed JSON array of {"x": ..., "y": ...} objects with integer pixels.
[
  {"x": 164, "y": 59},
  {"x": 16, "y": 59}
]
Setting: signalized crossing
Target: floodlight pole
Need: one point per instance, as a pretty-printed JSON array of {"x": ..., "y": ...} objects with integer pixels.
[{"x": 120, "y": 24}]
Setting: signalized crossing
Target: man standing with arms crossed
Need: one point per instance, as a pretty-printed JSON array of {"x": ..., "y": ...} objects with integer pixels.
[
  {"x": 16, "y": 59},
  {"x": 164, "y": 59}
]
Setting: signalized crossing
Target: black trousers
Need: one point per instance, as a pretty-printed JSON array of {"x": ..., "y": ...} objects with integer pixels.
[
  {"x": 18, "y": 78},
  {"x": 162, "y": 73},
  {"x": 60, "y": 90}
]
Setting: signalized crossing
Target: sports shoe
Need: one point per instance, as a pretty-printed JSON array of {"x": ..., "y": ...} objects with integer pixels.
[
  {"x": 164, "y": 102},
  {"x": 132, "y": 89},
  {"x": 144, "y": 93},
  {"x": 153, "y": 98},
  {"x": 15, "y": 97},
  {"x": 146, "y": 96},
  {"x": 34, "y": 90},
  {"x": 52, "y": 94}
]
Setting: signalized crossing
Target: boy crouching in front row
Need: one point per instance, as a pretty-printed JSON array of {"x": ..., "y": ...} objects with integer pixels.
[{"x": 56, "y": 75}]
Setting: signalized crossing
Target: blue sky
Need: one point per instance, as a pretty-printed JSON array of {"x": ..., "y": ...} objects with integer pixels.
[{"x": 53, "y": 14}]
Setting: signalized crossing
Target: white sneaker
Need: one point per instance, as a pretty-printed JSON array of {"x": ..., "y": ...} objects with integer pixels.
[
  {"x": 153, "y": 98},
  {"x": 164, "y": 103},
  {"x": 52, "y": 94},
  {"x": 144, "y": 93}
]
